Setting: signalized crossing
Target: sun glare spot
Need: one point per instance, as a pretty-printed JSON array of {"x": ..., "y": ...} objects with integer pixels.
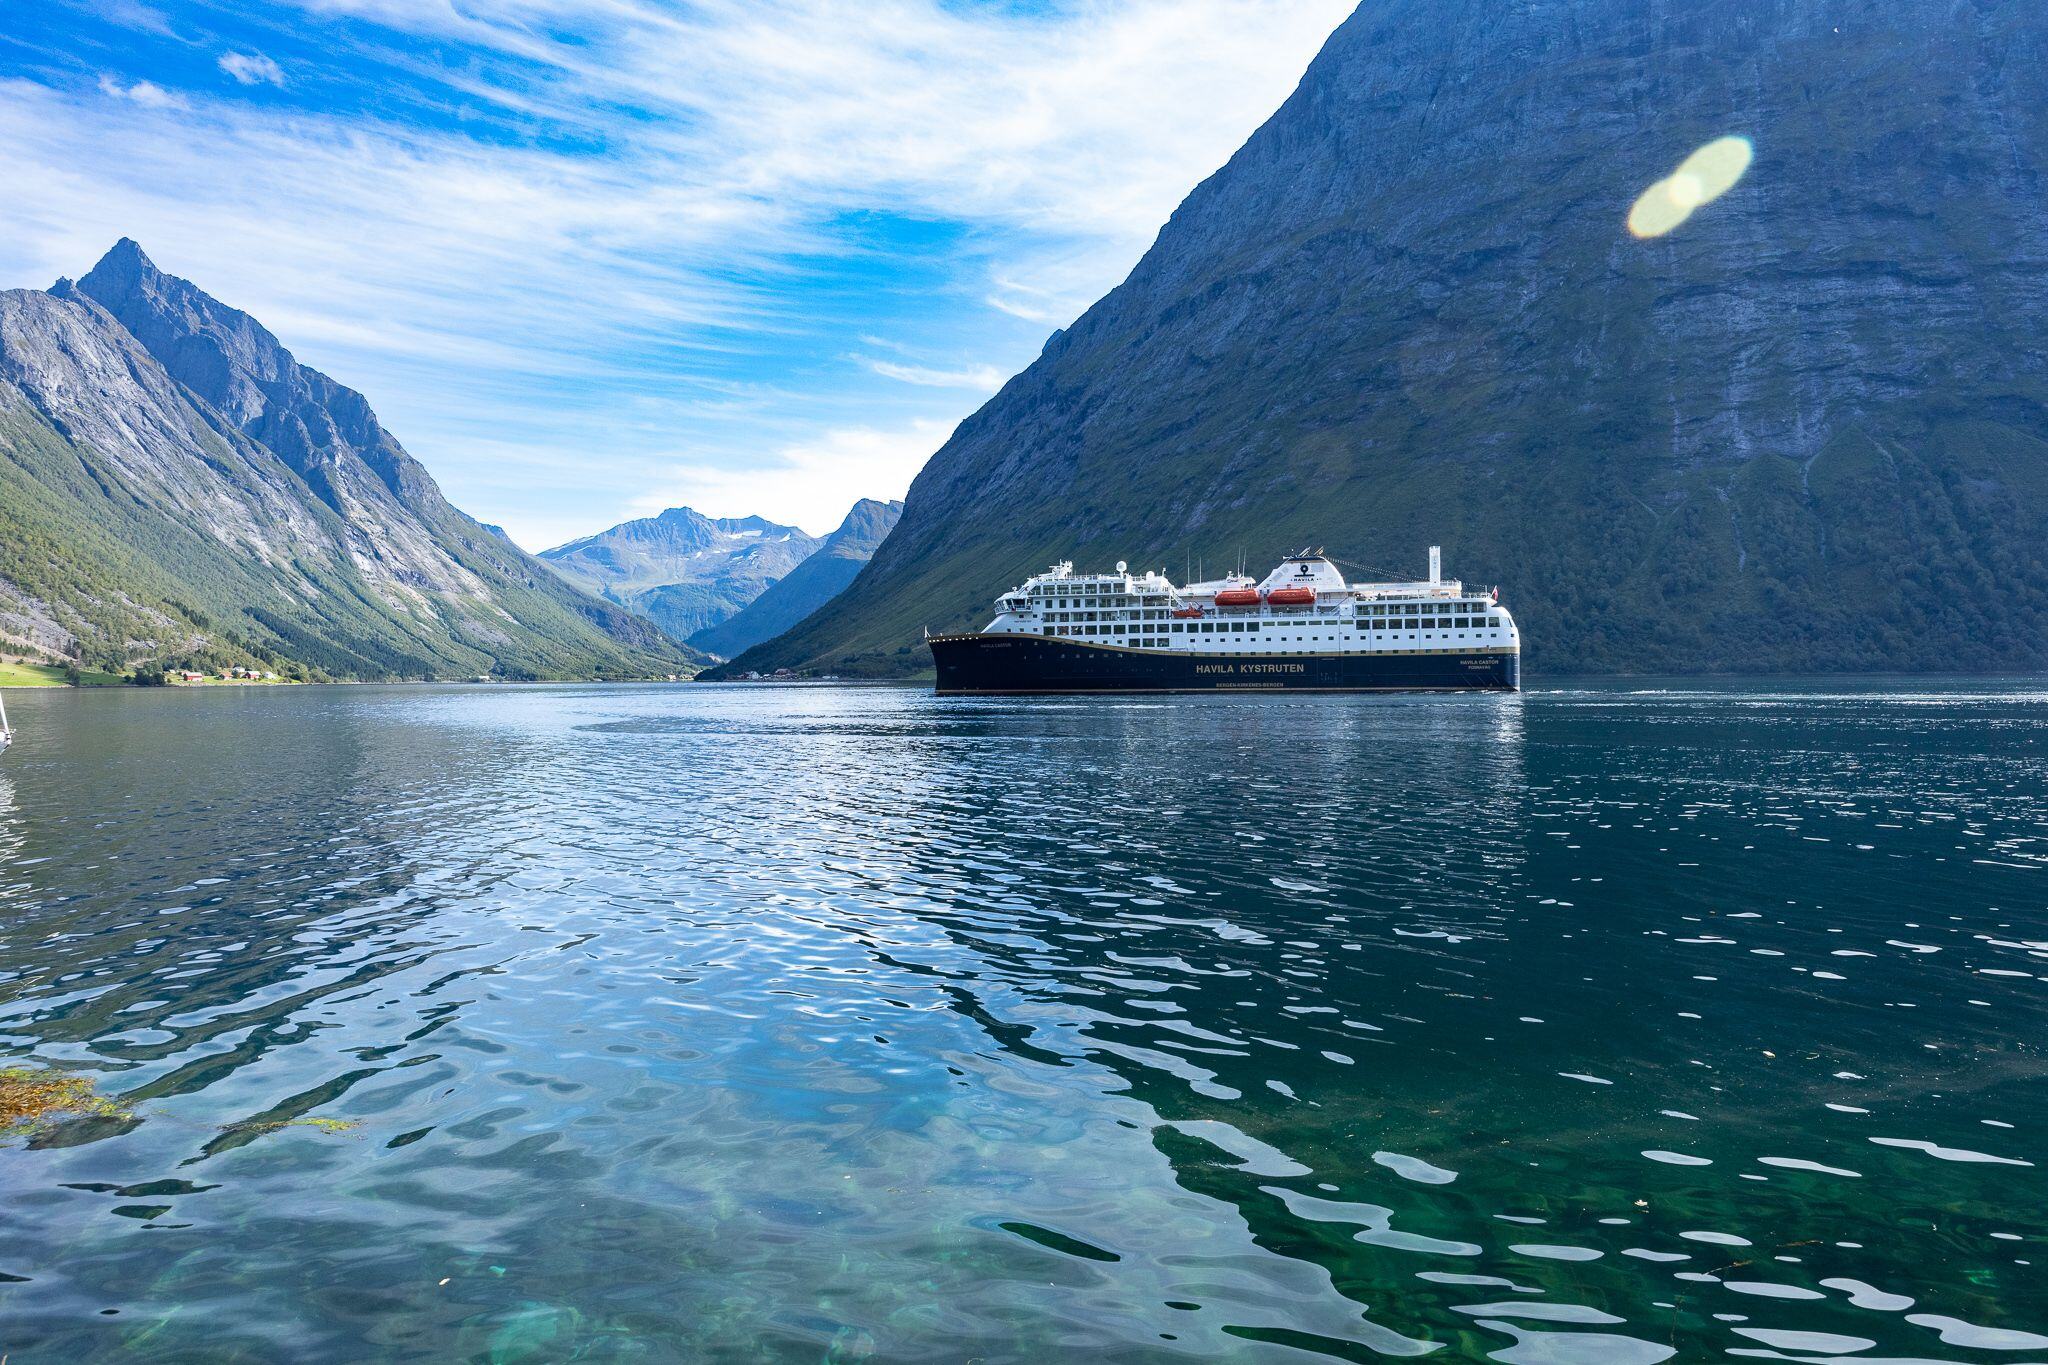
[{"x": 1702, "y": 178}]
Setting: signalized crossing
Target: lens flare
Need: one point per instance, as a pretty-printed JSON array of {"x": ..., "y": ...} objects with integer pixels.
[{"x": 1702, "y": 178}]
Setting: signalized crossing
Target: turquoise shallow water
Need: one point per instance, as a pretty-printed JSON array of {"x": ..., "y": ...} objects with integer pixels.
[{"x": 690, "y": 1023}]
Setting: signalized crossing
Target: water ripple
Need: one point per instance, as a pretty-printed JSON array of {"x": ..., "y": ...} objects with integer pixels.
[{"x": 763, "y": 1023}]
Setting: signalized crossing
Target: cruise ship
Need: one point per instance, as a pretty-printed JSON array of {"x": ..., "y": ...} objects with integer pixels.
[{"x": 1301, "y": 628}]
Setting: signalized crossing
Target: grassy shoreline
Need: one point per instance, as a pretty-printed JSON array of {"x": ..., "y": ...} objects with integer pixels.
[
  {"x": 53, "y": 675},
  {"x": 28, "y": 675}
]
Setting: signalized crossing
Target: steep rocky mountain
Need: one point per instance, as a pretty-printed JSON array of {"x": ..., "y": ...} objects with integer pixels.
[
  {"x": 1806, "y": 429},
  {"x": 174, "y": 486},
  {"x": 682, "y": 570},
  {"x": 807, "y": 587}
]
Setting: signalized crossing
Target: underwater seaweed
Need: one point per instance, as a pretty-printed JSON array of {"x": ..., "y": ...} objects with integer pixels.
[{"x": 31, "y": 1098}]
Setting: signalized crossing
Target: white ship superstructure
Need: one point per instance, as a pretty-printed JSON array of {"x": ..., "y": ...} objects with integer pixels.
[
  {"x": 1303, "y": 628},
  {"x": 1304, "y": 606}
]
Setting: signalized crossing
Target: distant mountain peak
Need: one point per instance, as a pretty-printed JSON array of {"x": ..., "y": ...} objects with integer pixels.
[
  {"x": 869, "y": 520},
  {"x": 222, "y": 353},
  {"x": 690, "y": 516},
  {"x": 809, "y": 586},
  {"x": 678, "y": 526},
  {"x": 125, "y": 269},
  {"x": 128, "y": 253},
  {"x": 681, "y": 569}
]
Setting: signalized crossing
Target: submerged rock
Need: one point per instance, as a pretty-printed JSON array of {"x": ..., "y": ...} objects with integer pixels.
[{"x": 32, "y": 1098}]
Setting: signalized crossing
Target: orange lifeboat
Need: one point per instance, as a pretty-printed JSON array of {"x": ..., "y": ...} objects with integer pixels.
[
  {"x": 1238, "y": 597},
  {"x": 1292, "y": 597},
  {"x": 1188, "y": 611}
]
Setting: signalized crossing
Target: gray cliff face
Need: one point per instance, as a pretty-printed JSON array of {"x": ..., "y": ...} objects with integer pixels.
[
  {"x": 70, "y": 364},
  {"x": 174, "y": 484},
  {"x": 324, "y": 431},
  {"x": 1805, "y": 430},
  {"x": 682, "y": 570},
  {"x": 866, "y": 526},
  {"x": 807, "y": 587}
]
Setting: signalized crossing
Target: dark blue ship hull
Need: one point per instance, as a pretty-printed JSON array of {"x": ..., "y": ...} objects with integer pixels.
[{"x": 1014, "y": 664}]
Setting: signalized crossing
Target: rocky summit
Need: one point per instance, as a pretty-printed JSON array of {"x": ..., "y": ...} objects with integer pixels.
[
  {"x": 1803, "y": 428},
  {"x": 809, "y": 586},
  {"x": 682, "y": 570},
  {"x": 175, "y": 487}
]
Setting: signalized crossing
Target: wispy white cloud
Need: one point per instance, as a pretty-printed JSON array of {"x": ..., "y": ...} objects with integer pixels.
[
  {"x": 252, "y": 68},
  {"x": 1093, "y": 118},
  {"x": 1033, "y": 303},
  {"x": 148, "y": 94},
  {"x": 811, "y": 483},
  {"x": 646, "y": 227},
  {"x": 978, "y": 378}
]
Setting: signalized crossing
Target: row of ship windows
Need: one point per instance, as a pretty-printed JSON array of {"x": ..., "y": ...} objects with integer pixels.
[
  {"x": 1112, "y": 603},
  {"x": 1240, "y": 628},
  {"x": 1255, "y": 627},
  {"x": 1146, "y": 615},
  {"x": 1412, "y": 621},
  {"x": 1430, "y": 623},
  {"x": 1079, "y": 590},
  {"x": 1426, "y": 610}
]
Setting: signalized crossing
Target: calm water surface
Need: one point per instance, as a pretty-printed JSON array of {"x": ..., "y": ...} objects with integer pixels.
[{"x": 695, "y": 1023}]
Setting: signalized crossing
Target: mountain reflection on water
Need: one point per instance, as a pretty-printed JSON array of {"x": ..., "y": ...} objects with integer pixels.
[{"x": 840, "y": 1023}]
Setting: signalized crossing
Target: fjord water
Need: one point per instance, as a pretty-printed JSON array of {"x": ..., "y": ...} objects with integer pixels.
[{"x": 1593, "y": 1024}]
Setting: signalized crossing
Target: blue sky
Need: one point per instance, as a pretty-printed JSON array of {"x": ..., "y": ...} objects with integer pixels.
[{"x": 592, "y": 258}]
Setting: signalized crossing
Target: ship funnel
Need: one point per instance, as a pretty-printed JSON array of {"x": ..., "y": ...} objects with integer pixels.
[{"x": 1436, "y": 564}]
